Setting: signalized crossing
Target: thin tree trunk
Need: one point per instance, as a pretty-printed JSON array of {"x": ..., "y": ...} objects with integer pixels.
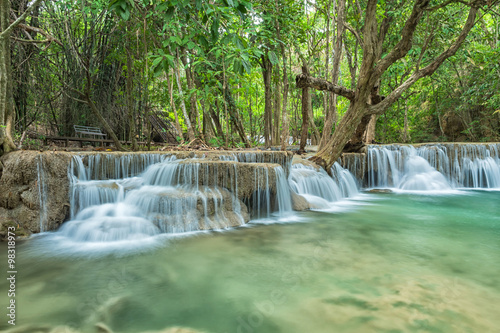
[
  {"x": 178, "y": 128},
  {"x": 331, "y": 117},
  {"x": 406, "y": 134},
  {"x": 235, "y": 118},
  {"x": 183, "y": 105},
  {"x": 285, "y": 128},
  {"x": 216, "y": 120},
  {"x": 306, "y": 104},
  {"x": 130, "y": 100},
  {"x": 195, "y": 114},
  {"x": 6, "y": 103},
  {"x": 266, "y": 75},
  {"x": 277, "y": 110}
]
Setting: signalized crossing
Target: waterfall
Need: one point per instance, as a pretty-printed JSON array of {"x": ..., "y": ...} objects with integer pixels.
[
  {"x": 319, "y": 188},
  {"x": 127, "y": 197},
  {"x": 432, "y": 167},
  {"x": 42, "y": 193}
]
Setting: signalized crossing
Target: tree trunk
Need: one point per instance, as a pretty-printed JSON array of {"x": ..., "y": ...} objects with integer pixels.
[
  {"x": 130, "y": 99},
  {"x": 327, "y": 156},
  {"x": 306, "y": 104},
  {"x": 285, "y": 128},
  {"x": 369, "y": 135},
  {"x": 183, "y": 105},
  {"x": 235, "y": 118},
  {"x": 331, "y": 117},
  {"x": 193, "y": 105},
  {"x": 216, "y": 120},
  {"x": 266, "y": 75},
  {"x": 406, "y": 134},
  {"x": 277, "y": 111},
  {"x": 6, "y": 103},
  {"x": 178, "y": 128}
]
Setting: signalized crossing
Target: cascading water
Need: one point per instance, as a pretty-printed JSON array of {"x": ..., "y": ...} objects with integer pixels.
[
  {"x": 137, "y": 196},
  {"x": 318, "y": 187},
  {"x": 42, "y": 193},
  {"x": 433, "y": 167}
]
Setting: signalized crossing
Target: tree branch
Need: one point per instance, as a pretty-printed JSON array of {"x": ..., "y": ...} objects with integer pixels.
[
  {"x": 429, "y": 69},
  {"x": 446, "y": 3},
  {"x": 354, "y": 32},
  {"x": 306, "y": 81},
  {"x": 41, "y": 32},
  {"x": 18, "y": 21},
  {"x": 404, "y": 45}
]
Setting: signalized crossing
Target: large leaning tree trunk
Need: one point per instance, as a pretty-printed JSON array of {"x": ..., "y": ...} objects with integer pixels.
[
  {"x": 6, "y": 99},
  {"x": 374, "y": 66}
]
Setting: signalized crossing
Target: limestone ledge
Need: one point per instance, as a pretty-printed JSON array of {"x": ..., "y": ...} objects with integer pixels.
[{"x": 20, "y": 202}]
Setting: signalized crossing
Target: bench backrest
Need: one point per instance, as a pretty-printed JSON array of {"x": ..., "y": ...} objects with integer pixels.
[{"x": 87, "y": 129}]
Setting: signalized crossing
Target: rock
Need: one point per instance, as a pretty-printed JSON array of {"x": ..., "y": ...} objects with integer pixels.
[
  {"x": 380, "y": 190},
  {"x": 102, "y": 328},
  {"x": 28, "y": 174},
  {"x": 299, "y": 160},
  {"x": 299, "y": 203}
]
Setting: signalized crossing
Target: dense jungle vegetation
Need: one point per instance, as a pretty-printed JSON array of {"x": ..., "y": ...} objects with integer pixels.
[{"x": 238, "y": 73}]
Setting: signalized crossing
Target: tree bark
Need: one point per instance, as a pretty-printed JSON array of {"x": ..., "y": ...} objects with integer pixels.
[
  {"x": 331, "y": 116},
  {"x": 183, "y": 105},
  {"x": 306, "y": 104},
  {"x": 369, "y": 135},
  {"x": 174, "y": 109},
  {"x": 277, "y": 111},
  {"x": 285, "y": 120},
  {"x": 235, "y": 118},
  {"x": 266, "y": 75},
  {"x": 370, "y": 74},
  {"x": 195, "y": 114},
  {"x": 130, "y": 98},
  {"x": 6, "y": 98}
]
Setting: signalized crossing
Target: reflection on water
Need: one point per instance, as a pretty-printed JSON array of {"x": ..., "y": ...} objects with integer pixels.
[{"x": 405, "y": 263}]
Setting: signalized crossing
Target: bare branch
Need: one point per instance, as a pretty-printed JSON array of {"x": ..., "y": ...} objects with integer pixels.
[{"x": 306, "y": 81}]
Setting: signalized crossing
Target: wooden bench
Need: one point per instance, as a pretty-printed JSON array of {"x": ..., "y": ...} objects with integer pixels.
[{"x": 95, "y": 132}]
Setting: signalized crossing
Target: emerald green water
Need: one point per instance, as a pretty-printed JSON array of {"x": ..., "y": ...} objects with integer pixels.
[{"x": 395, "y": 263}]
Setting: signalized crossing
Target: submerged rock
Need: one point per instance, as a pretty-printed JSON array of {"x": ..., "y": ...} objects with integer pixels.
[
  {"x": 299, "y": 203},
  {"x": 380, "y": 190}
]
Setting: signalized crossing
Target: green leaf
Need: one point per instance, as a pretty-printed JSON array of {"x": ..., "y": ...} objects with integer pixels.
[
  {"x": 215, "y": 30},
  {"x": 248, "y": 67},
  {"x": 273, "y": 58},
  {"x": 170, "y": 12},
  {"x": 125, "y": 14},
  {"x": 156, "y": 62}
]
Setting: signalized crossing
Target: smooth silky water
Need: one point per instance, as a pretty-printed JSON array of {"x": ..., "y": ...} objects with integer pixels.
[{"x": 395, "y": 262}]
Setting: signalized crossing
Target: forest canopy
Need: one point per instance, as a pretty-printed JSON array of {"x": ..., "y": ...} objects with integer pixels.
[{"x": 232, "y": 73}]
